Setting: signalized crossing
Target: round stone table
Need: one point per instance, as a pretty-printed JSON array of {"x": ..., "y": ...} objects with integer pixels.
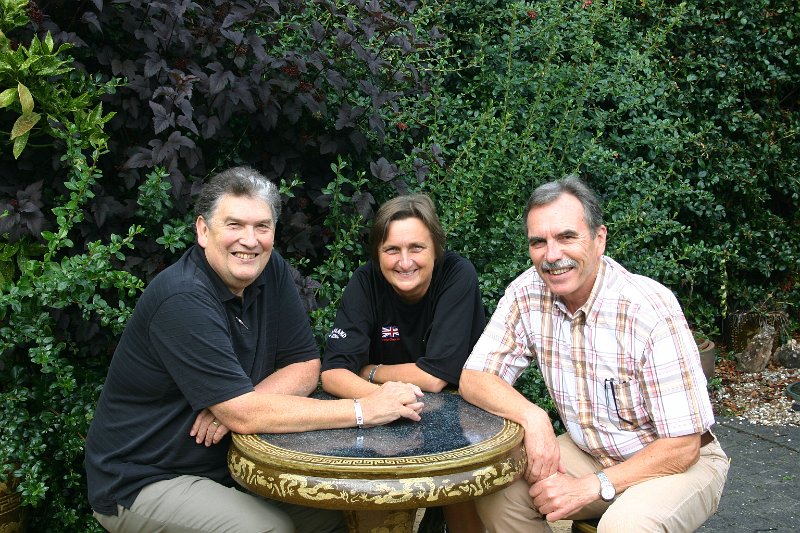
[{"x": 379, "y": 475}]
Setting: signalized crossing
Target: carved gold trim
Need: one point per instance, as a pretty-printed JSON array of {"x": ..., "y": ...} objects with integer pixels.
[{"x": 390, "y": 482}]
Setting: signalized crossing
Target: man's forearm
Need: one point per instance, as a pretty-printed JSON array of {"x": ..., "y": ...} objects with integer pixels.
[
  {"x": 297, "y": 379},
  {"x": 496, "y": 396},
  {"x": 492, "y": 394},
  {"x": 261, "y": 412},
  {"x": 662, "y": 457}
]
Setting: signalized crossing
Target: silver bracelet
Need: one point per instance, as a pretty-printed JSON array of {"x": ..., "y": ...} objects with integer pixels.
[
  {"x": 359, "y": 413},
  {"x": 372, "y": 373}
]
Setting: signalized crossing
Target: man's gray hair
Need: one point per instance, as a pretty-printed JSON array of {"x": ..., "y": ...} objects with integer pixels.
[
  {"x": 238, "y": 181},
  {"x": 551, "y": 191}
]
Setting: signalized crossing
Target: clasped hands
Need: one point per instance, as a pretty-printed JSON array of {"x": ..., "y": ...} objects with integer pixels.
[
  {"x": 555, "y": 493},
  {"x": 392, "y": 400}
]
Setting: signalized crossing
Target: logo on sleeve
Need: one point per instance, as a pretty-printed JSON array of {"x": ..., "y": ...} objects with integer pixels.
[
  {"x": 390, "y": 333},
  {"x": 337, "y": 333}
]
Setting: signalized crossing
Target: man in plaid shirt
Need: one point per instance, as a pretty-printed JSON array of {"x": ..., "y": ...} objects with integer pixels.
[{"x": 623, "y": 369}]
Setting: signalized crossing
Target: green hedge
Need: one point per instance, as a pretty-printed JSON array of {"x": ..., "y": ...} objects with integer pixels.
[{"x": 683, "y": 116}]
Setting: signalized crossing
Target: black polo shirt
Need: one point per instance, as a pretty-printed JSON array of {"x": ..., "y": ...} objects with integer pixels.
[
  {"x": 374, "y": 325},
  {"x": 189, "y": 344}
]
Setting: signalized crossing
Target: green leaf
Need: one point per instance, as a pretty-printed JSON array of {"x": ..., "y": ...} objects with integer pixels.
[
  {"x": 19, "y": 144},
  {"x": 25, "y": 98},
  {"x": 7, "y": 97},
  {"x": 48, "y": 43},
  {"x": 96, "y": 114},
  {"x": 24, "y": 123}
]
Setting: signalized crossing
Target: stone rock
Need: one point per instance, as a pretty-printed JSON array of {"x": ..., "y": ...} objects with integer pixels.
[
  {"x": 758, "y": 352},
  {"x": 788, "y": 355}
]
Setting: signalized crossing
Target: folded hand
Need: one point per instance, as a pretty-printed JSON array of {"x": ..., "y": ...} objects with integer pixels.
[{"x": 207, "y": 429}]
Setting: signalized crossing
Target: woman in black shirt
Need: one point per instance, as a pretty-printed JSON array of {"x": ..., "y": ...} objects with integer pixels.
[{"x": 411, "y": 314}]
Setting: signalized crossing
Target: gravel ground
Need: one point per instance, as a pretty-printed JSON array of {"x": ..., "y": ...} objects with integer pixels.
[{"x": 759, "y": 397}]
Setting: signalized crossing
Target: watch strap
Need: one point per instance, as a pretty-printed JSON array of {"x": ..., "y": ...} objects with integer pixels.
[{"x": 607, "y": 490}]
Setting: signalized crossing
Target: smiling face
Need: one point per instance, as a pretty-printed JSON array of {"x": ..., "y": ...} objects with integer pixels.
[
  {"x": 237, "y": 239},
  {"x": 563, "y": 250},
  {"x": 406, "y": 258}
]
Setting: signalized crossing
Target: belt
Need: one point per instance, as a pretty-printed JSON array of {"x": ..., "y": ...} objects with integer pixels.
[{"x": 705, "y": 438}]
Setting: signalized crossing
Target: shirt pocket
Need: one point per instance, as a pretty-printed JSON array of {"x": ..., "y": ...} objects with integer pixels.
[{"x": 625, "y": 403}]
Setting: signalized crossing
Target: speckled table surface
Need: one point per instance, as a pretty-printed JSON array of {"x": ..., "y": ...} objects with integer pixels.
[{"x": 448, "y": 424}]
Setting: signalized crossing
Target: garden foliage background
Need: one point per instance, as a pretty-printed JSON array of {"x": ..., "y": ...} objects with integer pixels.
[{"x": 683, "y": 115}]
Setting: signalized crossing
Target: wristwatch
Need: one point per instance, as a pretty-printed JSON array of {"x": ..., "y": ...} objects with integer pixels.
[{"x": 607, "y": 490}]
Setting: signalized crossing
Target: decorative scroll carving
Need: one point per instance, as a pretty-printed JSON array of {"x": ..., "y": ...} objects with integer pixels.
[{"x": 365, "y": 494}]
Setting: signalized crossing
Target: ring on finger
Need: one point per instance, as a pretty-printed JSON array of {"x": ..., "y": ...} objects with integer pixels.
[{"x": 215, "y": 422}]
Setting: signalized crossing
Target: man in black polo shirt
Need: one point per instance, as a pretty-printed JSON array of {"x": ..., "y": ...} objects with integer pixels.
[{"x": 218, "y": 342}]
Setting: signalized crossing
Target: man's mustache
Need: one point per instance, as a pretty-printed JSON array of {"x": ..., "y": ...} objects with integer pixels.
[{"x": 561, "y": 263}]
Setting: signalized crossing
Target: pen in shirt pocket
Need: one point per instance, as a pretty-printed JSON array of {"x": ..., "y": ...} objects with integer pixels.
[{"x": 239, "y": 320}]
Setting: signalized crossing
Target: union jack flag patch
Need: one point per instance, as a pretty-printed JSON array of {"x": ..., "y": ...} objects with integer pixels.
[{"x": 390, "y": 332}]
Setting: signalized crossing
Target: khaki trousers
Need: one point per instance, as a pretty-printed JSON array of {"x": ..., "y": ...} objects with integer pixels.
[
  {"x": 673, "y": 504},
  {"x": 191, "y": 504}
]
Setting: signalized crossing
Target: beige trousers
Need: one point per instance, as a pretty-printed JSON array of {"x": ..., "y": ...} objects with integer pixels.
[
  {"x": 673, "y": 504},
  {"x": 191, "y": 504}
]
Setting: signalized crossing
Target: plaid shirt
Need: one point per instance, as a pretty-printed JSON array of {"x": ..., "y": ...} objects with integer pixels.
[{"x": 623, "y": 370}]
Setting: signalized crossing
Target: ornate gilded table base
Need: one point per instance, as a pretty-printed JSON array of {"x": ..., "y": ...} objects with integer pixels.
[
  {"x": 401, "y": 521},
  {"x": 12, "y": 514},
  {"x": 456, "y": 453}
]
